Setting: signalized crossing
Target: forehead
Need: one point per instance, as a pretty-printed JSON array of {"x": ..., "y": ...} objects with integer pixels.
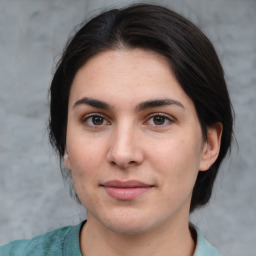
[
  {"x": 127, "y": 73},
  {"x": 125, "y": 62}
]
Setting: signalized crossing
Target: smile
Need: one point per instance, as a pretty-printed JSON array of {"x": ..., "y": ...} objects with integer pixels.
[{"x": 127, "y": 190}]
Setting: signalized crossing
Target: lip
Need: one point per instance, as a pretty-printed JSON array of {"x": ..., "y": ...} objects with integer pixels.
[{"x": 126, "y": 190}]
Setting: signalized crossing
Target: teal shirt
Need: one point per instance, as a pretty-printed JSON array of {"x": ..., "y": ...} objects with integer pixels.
[{"x": 65, "y": 242}]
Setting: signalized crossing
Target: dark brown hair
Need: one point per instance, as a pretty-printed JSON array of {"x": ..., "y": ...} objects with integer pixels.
[{"x": 191, "y": 56}]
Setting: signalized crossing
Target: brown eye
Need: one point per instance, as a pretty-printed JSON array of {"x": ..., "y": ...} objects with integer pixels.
[
  {"x": 95, "y": 120},
  {"x": 159, "y": 120}
]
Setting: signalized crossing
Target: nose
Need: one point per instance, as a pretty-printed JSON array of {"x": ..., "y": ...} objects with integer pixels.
[{"x": 125, "y": 149}]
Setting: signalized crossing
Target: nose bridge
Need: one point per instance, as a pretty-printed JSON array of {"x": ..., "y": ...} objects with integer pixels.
[{"x": 124, "y": 149}]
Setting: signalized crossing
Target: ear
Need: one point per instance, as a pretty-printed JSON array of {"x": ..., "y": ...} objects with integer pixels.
[
  {"x": 211, "y": 147},
  {"x": 67, "y": 161}
]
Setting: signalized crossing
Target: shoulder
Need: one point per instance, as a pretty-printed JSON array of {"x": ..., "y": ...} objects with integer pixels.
[
  {"x": 55, "y": 242},
  {"x": 203, "y": 247}
]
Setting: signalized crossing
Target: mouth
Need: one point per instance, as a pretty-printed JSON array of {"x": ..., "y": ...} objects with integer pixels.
[{"x": 126, "y": 190}]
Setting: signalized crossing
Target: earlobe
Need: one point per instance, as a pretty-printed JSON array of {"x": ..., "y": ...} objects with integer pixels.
[
  {"x": 66, "y": 161},
  {"x": 211, "y": 147}
]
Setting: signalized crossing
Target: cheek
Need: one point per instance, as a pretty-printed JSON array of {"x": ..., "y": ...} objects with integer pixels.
[
  {"x": 176, "y": 151},
  {"x": 86, "y": 157},
  {"x": 177, "y": 172},
  {"x": 85, "y": 152},
  {"x": 84, "y": 174},
  {"x": 178, "y": 161}
]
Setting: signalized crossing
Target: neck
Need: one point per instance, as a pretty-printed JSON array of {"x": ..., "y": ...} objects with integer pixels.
[{"x": 171, "y": 240}]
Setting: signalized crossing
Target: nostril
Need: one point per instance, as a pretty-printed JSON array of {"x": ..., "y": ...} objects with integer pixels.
[
  {"x": 112, "y": 163},
  {"x": 132, "y": 163}
]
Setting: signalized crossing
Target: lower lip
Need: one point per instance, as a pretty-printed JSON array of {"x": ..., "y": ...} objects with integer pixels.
[{"x": 126, "y": 193}]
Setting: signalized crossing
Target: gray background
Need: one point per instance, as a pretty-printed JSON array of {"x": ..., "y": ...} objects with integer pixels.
[{"x": 33, "y": 198}]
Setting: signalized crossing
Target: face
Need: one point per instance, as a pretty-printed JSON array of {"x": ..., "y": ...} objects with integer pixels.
[{"x": 134, "y": 142}]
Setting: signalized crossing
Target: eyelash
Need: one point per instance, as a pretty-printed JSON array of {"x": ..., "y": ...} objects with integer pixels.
[
  {"x": 156, "y": 115},
  {"x": 91, "y": 116},
  {"x": 88, "y": 119}
]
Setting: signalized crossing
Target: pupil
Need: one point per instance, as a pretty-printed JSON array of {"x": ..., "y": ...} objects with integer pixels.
[
  {"x": 97, "y": 120},
  {"x": 158, "y": 120}
]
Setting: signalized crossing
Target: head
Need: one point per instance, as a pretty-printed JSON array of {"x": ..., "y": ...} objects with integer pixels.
[{"x": 191, "y": 58}]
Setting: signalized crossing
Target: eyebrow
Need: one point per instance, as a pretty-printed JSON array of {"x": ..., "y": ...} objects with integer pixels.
[
  {"x": 140, "y": 107},
  {"x": 92, "y": 102},
  {"x": 158, "y": 103}
]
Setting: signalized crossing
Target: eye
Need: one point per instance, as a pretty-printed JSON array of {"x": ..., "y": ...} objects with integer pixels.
[
  {"x": 95, "y": 120},
  {"x": 159, "y": 120}
]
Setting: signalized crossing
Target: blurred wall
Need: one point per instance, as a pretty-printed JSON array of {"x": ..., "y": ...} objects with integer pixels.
[{"x": 33, "y": 198}]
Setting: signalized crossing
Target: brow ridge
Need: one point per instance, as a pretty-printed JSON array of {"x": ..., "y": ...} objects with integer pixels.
[
  {"x": 158, "y": 103},
  {"x": 140, "y": 107},
  {"x": 92, "y": 102}
]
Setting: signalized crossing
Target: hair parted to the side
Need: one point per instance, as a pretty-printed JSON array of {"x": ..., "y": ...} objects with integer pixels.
[{"x": 192, "y": 59}]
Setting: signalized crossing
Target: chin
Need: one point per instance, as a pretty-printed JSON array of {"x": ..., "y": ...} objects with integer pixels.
[{"x": 128, "y": 223}]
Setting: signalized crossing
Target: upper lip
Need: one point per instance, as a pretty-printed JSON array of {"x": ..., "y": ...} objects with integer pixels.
[{"x": 126, "y": 184}]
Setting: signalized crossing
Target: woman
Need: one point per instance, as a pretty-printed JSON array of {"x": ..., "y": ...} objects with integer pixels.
[{"x": 141, "y": 115}]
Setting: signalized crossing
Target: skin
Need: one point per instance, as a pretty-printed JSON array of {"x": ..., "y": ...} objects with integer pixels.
[{"x": 112, "y": 134}]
